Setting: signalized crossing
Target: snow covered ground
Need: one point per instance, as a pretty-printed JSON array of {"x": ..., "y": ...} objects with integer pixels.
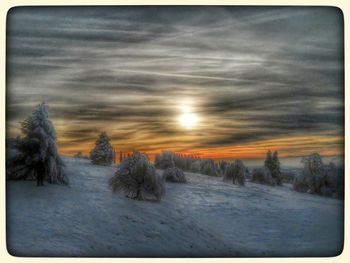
[{"x": 203, "y": 218}]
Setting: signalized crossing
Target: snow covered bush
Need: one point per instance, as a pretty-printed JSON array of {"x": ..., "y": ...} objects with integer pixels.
[
  {"x": 180, "y": 162},
  {"x": 334, "y": 181},
  {"x": 235, "y": 172},
  {"x": 79, "y": 155},
  {"x": 273, "y": 164},
  {"x": 37, "y": 149},
  {"x": 312, "y": 176},
  {"x": 208, "y": 167},
  {"x": 326, "y": 180},
  {"x": 223, "y": 165},
  {"x": 164, "y": 160},
  {"x": 137, "y": 178},
  {"x": 262, "y": 176},
  {"x": 103, "y": 153},
  {"x": 196, "y": 167},
  {"x": 189, "y": 162},
  {"x": 174, "y": 175}
]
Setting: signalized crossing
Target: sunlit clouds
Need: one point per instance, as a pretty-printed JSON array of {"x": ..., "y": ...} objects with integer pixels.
[{"x": 219, "y": 82}]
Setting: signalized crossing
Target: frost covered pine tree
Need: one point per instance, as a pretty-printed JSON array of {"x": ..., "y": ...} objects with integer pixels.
[
  {"x": 103, "y": 153},
  {"x": 38, "y": 149}
]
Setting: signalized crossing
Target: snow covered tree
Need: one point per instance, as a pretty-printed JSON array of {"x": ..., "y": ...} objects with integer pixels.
[
  {"x": 208, "y": 167},
  {"x": 276, "y": 168},
  {"x": 78, "y": 155},
  {"x": 164, "y": 160},
  {"x": 120, "y": 156},
  {"x": 103, "y": 153},
  {"x": 318, "y": 178},
  {"x": 235, "y": 172},
  {"x": 180, "y": 162},
  {"x": 196, "y": 166},
  {"x": 189, "y": 162},
  {"x": 312, "y": 176},
  {"x": 174, "y": 175},
  {"x": 268, "y": 160},
  {"x": 262, "y": 176},
  {"x": 314, "y": 170},
  {"x": 273, "y": 164},
  {"x": 223, "y": 165},
  {"x": 137, "y": 178},
  {"x": 38, "y": 149},
  {"x": 334, "y": 181}
]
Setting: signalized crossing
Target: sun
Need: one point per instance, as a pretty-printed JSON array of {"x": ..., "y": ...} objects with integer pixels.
[{"x": 187, "y": 119}]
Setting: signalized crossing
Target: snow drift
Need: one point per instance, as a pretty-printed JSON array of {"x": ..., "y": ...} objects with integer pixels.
[{"x": 204, "y": 218}]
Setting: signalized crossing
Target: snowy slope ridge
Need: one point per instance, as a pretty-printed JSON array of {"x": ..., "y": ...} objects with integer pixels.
[{"x": 203, "y": 218}]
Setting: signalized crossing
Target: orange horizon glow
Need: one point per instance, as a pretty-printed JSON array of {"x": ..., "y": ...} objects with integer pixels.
[{"x": 286, "y": 147}]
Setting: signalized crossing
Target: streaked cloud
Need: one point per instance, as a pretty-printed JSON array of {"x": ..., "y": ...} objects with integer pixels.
[{"x": 253, "y": 75}]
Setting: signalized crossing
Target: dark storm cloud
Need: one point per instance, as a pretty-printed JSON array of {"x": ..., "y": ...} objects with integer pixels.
[{"x": 252, "y": 73}]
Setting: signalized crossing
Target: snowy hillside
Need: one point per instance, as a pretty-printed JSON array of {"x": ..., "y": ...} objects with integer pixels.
[{"x": 205, "y": 217}]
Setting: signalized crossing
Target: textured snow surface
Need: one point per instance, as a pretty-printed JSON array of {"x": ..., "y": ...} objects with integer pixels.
[{"x": 203, "y": 218}]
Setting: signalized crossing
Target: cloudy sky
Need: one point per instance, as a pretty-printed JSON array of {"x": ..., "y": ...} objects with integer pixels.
[{"x": 221, "y": 82}]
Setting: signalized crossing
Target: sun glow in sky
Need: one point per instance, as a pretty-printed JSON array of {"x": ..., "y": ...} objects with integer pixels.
[
  {"x": 187, "y": 118},
  {"x": 220, "y": 82}
]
